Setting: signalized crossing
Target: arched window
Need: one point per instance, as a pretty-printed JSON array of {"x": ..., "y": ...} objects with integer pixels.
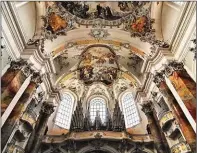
[
  {"x": 130, "y": 110},
  {"x": 98, "y": 105},
  {"x": 64, "y": 113}
]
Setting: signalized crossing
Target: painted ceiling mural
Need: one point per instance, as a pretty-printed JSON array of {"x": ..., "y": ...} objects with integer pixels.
[
  {"x": 132, "y": 17},
  {"x": 98, "y": 64},
  {"x": 117, "y": 46},
  {"x": 102, "y": 10},
  {"x": 98, "y": 61}
]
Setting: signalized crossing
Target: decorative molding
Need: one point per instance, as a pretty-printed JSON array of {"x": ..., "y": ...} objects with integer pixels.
[{"x": 99, "y": 33}]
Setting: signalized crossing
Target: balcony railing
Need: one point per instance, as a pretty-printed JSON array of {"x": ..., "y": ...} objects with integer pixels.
[
  {"x": 12, "y": 148},
  {"x": 181, "y": 147},
  {"x": 166, "y": 120},
  {"x": 29, "y": 118}
]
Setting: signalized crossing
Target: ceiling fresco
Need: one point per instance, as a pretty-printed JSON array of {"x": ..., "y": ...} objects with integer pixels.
[
  {"x": 98, "y": 64},
  {"x": 77, "y": 47},
  {"x": 100, "y": 42},
  {"x": 133, "y": 18},
  {"x": 102, "y": 10},
  {"x": 62, "y": 16}
]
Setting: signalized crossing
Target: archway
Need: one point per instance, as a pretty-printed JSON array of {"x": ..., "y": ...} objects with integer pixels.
[{"x": 103, "y": 149}]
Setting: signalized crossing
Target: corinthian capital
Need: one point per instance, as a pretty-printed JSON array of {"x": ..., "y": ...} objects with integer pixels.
[
  {"x": 27, "y": 70},
  {"x": 173, "y": 66},
  {"x": 147, "y": 107},
  {"x": 176, "y": 66},
  {"x": 47, "y": 108},
  {"x": 36, "y": 78},
  {"x": 158, "y": 78},
  {"x": 17, "y": 65}
]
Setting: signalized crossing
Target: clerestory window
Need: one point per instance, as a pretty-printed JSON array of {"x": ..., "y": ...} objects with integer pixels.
[
  {"x": 64, "y": 113},
  {"x": 130, "y": 110},
  {"x": 98, "y": 106}
]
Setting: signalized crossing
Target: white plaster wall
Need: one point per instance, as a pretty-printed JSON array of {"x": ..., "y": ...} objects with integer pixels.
[
  {"x": 8, "y": 37},
  {"x": 169, "y": 18},
  {"x": 27, "y": 16}
]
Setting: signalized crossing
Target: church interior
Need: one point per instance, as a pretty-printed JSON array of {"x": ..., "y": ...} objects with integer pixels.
[{"x": 98, "y": 77}]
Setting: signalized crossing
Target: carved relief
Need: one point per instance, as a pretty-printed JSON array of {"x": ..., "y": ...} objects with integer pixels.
[{"x": 158, "y": 78}]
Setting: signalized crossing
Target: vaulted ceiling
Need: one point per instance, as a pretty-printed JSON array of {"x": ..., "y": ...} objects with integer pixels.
[
  {"x": 101, "y": 48},
  {"x": 131, "y": 30},
  {"x": 99, "y": 42}
]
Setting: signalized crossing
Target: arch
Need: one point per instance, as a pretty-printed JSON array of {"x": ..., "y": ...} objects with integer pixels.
[
  {"x": 144, "y": 149},
  {"x": 65, "y": 110},
  {"x": 129, "y": 108},
  {"x": 104, "y": 148},
  {"x": 94, "y": 96},
  {"x": 75, "y": 96},
  {"x": 131, "y": 90}
]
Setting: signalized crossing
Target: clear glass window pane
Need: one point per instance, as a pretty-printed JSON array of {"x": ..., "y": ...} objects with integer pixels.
[
  {"x": 98, "y": 105},
  {"x": 130, "y": 110},
  {"x": 64, "y": 113}
]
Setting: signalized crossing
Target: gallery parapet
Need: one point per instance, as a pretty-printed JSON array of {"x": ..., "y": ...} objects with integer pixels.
[
  {"x": 181, "y": 147},
  {"x": 166, "y": 120},
  {"x": 14, "y": 148}
]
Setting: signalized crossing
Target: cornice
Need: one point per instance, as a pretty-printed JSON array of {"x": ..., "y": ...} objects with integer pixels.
[
  {"x": 161, "y": 53},
  {"x": 50, "y": 90},
  {"x": 143, "y": 91}
]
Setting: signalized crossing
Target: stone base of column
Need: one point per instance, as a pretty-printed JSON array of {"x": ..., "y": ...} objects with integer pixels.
[
  {"x": 161, "y": 148},
  {"x": 193, "y": 147}
]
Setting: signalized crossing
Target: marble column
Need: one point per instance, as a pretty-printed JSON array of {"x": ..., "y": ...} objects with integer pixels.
[
  {"x": 148, "y": 109},
  {"x": 184, "y": 124},
  {"x": 161, "y": 109},
  {"x": 33, "y": 145},
  {"x": 12, "y": 71},
  {"x": 13, "y": 118},
  {"x": 12, "y": 80},
  {"x": 183, "y": 84}
]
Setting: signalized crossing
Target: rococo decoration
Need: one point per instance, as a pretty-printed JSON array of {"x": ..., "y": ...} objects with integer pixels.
[{"x": 56, "y": 22}]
